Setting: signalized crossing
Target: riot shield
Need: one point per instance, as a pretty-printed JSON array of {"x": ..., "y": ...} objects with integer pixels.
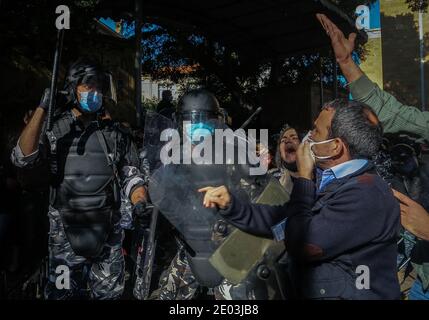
[
  {"x": 173, "y": 186},
  {"x": 255, "y": 261},
  {"x": 155, "y": 125}
]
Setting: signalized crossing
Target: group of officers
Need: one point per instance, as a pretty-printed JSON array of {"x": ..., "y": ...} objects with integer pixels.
[{"x": 92, "y": 166}]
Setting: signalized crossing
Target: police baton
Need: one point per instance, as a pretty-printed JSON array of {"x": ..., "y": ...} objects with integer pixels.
[
  {"x": 149, "y": 254},
  {"x": 254, "y": 114},
  {"x": 54, "y": 78}
]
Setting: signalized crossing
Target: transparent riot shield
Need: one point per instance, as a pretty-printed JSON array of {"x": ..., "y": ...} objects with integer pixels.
[
  {"x": 181, "y": 167},
  {"x": 186, "y": 158},
  {"x": 256, "y": 262},
  {"x": 155, "y": 126}
]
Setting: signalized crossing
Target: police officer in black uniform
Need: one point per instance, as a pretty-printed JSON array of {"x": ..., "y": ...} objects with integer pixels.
[
  {"x": 91, "y": 162},
  {"x": 196, "y": 109},
  {"x": 173, "y": 189}
]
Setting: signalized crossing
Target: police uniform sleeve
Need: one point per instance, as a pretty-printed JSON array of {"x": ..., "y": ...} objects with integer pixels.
[
  {"x": 31, "y": 160},
  {"x": 129, "y": 174}
]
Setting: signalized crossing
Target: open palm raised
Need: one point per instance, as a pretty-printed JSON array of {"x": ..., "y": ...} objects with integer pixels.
[{"x": 342, "y": 46}]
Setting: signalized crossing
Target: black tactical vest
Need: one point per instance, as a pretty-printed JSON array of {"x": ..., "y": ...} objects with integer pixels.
[{"x": 84, "y": 188}]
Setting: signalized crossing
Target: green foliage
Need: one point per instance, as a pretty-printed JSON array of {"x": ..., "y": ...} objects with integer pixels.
[
  {"x": 150, "y": 104},
  {"x": 417, "y": 5},
  {"x": 234, "y": 78}
]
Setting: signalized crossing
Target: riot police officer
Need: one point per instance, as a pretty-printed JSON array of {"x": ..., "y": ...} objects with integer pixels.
[
  {"x": 196, "y": 109},
  {"x": 173, "y": 189},
  {"x": 91, "y": 161}
]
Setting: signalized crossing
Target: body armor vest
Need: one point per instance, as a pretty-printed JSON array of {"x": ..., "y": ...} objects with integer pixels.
[{"x": 84, "y": 189}]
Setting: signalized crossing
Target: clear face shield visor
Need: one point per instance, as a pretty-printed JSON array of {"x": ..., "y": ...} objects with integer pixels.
[
  {"x": 102, "y": 83},
  {"x": 199, "y": 124}
]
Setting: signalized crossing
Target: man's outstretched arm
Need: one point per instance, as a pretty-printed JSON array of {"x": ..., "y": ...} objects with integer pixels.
[
  {"x": 394, "y": 115},
  {"x": 257, "y": 219}
]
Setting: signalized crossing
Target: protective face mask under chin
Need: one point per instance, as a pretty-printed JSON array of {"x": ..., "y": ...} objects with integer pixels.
[{"x": 312, "y": 143}]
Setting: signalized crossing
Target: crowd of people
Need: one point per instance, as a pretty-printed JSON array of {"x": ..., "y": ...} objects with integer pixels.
[{"x": 356, "y": 214}]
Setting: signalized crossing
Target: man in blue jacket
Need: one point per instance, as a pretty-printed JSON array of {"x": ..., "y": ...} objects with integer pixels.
[{"x": 342, "y": 230}]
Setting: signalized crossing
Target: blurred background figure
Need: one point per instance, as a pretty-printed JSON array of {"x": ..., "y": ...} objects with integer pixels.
[{"x": 166, "y": 107}]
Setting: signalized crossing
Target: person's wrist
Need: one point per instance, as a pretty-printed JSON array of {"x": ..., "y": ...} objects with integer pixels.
[
  {"x": 350, "y": 70},
  {"x": 305, "y": 175},
  {"x": 346, "y": 62},
  {"x": 227, "y": 209},
  {"x": 227, "y": 204}
]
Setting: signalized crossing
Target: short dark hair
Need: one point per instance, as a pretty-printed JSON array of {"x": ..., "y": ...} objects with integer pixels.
[{"x": 357, "y": 126}]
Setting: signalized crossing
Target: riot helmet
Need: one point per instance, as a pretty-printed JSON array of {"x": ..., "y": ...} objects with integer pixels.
[
  {"x": 199, "y": 113},
  {"x": 405, "y": 151},
  {"x": 94, "y": 84}
]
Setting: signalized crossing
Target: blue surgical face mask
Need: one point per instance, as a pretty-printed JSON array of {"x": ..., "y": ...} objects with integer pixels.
[
  {"x": 90, "y": 101},
  {"x": 197, "y": 130}
]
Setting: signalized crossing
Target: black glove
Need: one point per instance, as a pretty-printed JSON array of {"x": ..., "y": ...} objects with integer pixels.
[
  {"x": 44, "y": 101},
  {"x": 142, "y": 209}
]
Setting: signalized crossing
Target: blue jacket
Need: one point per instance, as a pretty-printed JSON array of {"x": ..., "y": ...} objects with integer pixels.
[{"x": 336, "y": 237}]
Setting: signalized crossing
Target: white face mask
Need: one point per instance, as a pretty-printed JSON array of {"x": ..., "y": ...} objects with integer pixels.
[{"x": 312, "y": 143}]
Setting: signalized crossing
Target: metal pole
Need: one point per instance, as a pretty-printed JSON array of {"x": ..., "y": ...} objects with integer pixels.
[
  {"x": 138, "y": 61},
  {"x": 149, "y": 254},
  {"x": 54, "y": 79},
  {"x": 254, "y": 114},
  {"x": 422, "y": 61}
]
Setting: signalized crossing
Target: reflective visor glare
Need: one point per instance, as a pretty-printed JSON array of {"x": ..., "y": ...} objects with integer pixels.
[{"x": 198, "y": 117}]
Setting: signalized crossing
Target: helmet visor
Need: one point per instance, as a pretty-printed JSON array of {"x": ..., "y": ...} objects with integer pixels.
[
  {"x": 199, "y": 124},
  {"x": 102, "y": 83}
]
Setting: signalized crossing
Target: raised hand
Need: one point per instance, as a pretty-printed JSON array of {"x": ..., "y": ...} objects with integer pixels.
[{"x": 343, "y": 48}]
